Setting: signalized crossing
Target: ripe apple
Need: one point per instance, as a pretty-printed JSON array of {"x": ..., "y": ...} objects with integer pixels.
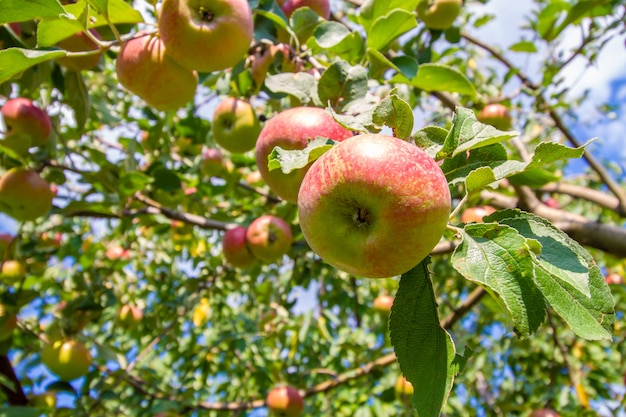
[
  {"x": 129, "y": 316},
  {"x": 614, "y": 279},
  {"x": 212, "y": 163},
  {"x": 374, "y": 205},
  {"x": 544, "y": 412},
  {"x": 24, "y": 195},
  {"x": 235, "y": 248},
  {"x": 5, "y": 243},
  {"x": 146, "y": 70},
  {"x": 26, "y": 124},
  {"x": 438, "y": 14},
  {"x": 285, "y": 401},
  {"x": 235, "y": 125},
  {"x": 383, "y": 303},
  {"x": 269, "y": 238},
  {"x": 80, "y": 42},
  {"x": 292, "y": 129},
  {"x": 496, "y": 115},
  {"x": 476, "y": 214},
  {"x": 321, "y": 7},
  {"x": 403, "y": 389},
  {"x": 116, "y": 252},
  {"x": 67, "y": 359},
  {"x": 12, "y": 271},
  {"x": 8, "y": 322},
  {"x": 206, "y": 35}
]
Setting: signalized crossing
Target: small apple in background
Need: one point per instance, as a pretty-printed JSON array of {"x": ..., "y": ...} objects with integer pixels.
[
  {"x": 260, "y": 62},
  {"x": 383, "y": 303},
  {"x": 614, "y": 279},
  {"x": 8, "y": 322},
  {"x": 24, "y": 195},
  {"x": 5, "y": 243},
  {"x": 26, "y": 124},
  {"x": 212, "y": 162},
  {"x": 67, "y": 359},
  {"x": 496, "y": 115},
  {"x": 145, "y": 69},
  {"x": 235, "y": 248},
  {"x": 46, "y": 400},
  {"x": 206, "y": 35},
  {"x": 116, "y": 252},
  {"x": 285, "y": 401},
  {"x": 129, "y": 316},
  {"x": 269, "y": 238},
  {"x": 374, "y": 206},
  {"x": 403, "y": 389},
  {"x": 321, "y": 7},
  {"x": 12, "y": 271},
  {"x": 235, "y": 125},
  {"x": 476, "y": 214},
  {"x": 544, "y": 412},
  {"x": 292, "y": 129},
  {"x": 438, "y": 14},
  {"x": 80, "y": 42},
  {"x": 552, "y": 203}
]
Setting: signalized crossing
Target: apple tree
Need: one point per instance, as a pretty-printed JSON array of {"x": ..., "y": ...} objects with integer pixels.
[{"x": 309, "y": 207}]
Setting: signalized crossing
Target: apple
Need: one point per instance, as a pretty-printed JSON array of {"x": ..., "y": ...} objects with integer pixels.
[
  {"x": 285, "y": 401},
  {"x": 6, "y": 241},
  {"x": 292, "y": 129},
  {"x": 261, "y": 61},
  {"x": 544, "y": 412},
  {"x": 26, "y": 124},
  {"x": 438, "y": 14},
  {"x": 145, "y": 69},
  {"x": 374, "y": 206},
  {"x": 235, "y": 125},
  {"x": 403, "y": 389},
  {"x": 46, "y": 400},
  {"x": 116, "y": 252},
  {"x": 12, "y": 271},
  {"x": 67, "y": 359},
  {"x": 24, "y": 195},
  {"x": 235, "y": 248},
  {"x": 212, "y": 162},
  {"x": 206, "y": 35},
  {"x": 614, "y": 279},
  {"x": 383, "y": 303},
  {"x": 552, "y": 203},
  {"x": 496, "y": 115},
  {"x": 321, "y": 7},
  {"x": 80, "y": 42},
  {"x": 269, "y": 238},
  {"x": 476, "y": 214},
  {"x": 129, "y": 316},
  {"x": 8, "y": 322}
]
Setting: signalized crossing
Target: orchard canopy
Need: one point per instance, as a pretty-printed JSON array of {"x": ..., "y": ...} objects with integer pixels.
[{"x": 208, "y": 208}]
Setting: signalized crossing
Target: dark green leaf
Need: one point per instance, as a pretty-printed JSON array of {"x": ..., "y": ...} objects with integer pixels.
[
  {"x": 396, "y": 114},
  {"x": 341, "y": 84}
]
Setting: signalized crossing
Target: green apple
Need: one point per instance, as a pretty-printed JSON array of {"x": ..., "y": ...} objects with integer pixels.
[
  {"x": 235, "y": 125},
  {"x": 321, "y": 7},
  {"x": 8, "y": 322},
  {"x": 26, "y": 124},
  {"x": 129, "y": 316},
  {"x": 496, "y": 115},
  {"x": 24, "y": 195},
  {"x": 269, "y": 238},
  {"x": 292, "y": 129},
  {"x": 67, "y": 359},
  {"x": 206, "y": 35},
  {"x": 476, "y": 214},
  {"x": 46, "y": 400},
  {"x": 80, "y": 42},
  {"x": 374, "y": 206},
  {"x": 403, "y": 390},
  {"x": 12, "y": 271},
  {"x": 438, "y": 14},
  {"x": 285, "y": 401},
  {"x": 145, "y": 69},
  {"x": 212, "y": 162},
  {"x": 235, "y": 248},
  {"x": 383, "y": 303}
]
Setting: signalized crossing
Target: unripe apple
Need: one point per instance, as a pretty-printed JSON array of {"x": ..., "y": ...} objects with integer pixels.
[
  {"x": 145, "y": 69},
  {"x": 235, "y": 125},
  {"x": 235, "y": 248},
  {"x": 496, "y": 115},
  {"x": 25, "y": 123},
  {"x": 24, "y": 195},
  {"x": 285, "y": 401},
  {"x": 5, "y": 243},
  {"x": 80, "y": 42},
  {"x": 292, "y": 129},
  {"x": 614, "y": 279},
  {"x": 383, "y": 303},
  {"x": 8, "y": 322},
  {"x": 438, "y": 14},
  {"x": 206, "y": 35},
  {"x": 46, "y": 400},
  {"x": 403, "y": 389},
  {"x": 129, "y": 316},
  {"x": 12, "y": 271},
  {"x": 67, "y": 359},
  {"x": 374, "y": 206},
  {"x": 212, "y": 163},
  {"x": 321, "y": 7},
  {"x": 544, "y": 412},
  {"x": 476, "y": 214},
  {"x": 269, "y": 238}
]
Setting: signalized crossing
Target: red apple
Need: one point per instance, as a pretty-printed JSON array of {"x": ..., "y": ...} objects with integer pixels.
[
  {"x": 552, "y": 203},
  {"x": 206, "y": 35},
  {"x": 321, "y": 7},
  {"x": 496, "y": 115},
  {"x": 374, "y": 206},
  {"x": 438, "y": 14},
  {"x": 269, "y": 238},
  {"x": 285, "y": 401},
  {"x": 614, "y": 279},
  {"x": 67, "y": 359},
  {"x": 403, "y": 389},
  {"x": 235, "y": 248},
  {"x": 293, "y": 129},
  {"x": 383, "y": 303},
  {"x": 8, "y": 322},
  {"x": 212, "y": 163},
  {"x": 25, "y": 123},
  {"x": 476, "y": 214},
  {"x": 116, "y": 252},
  {"x": 129, "y": 316},
  {"x": 235, "y": 125},
  {"x": 146, "y": 70},
  {"x": 544, "y": 412},
  {"x": 80, "y": 42},
  {"x": 24, "y": 195}
]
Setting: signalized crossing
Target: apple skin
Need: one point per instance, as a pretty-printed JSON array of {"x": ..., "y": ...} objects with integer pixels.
[
  {"x": 383, "y": 303},
  {"x": 269, "y": 238},
  {"x": 206, "y": 35},
  {"x": 129, "y": 316},
  {"x": 24, "y": 195},
  {"x": 80, "y": 42},
  {"x": 614, "y": 279},
  {"x": 212, "y": 163},
  {"x": 292, "y": 129},
  {"x": 285, "y": 401},
  {"x": 496, "y": 115},
  {"x": 403, "y": 389},
  {"x": 374, "y": 206},
  {"x": 26, "y": 122},
  {"x": 145, "y": 69},
  {"x": 476, "y": 214},
  {"x": 67, "y": 359},
  {"x": 321, "y": 7},
  {"x": 8, "y": 322},
  {"x": 235, "y": 248},
  {"x": 438, "y": 14},
  {"x": 235, "y": 125},
  {"x": 544, "y": 412}
]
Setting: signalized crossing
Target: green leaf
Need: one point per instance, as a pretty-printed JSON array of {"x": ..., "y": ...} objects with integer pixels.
[
  {"x": 497, "y": 257},
  {"x": 290, "y": 160},
  {"x": 329, "y": 35},
  {"x": 342, "y": 84},
  {"x": 535, "y": 178},
  {"x": 15, "y": 411},
  {"x": 23, "y": 10},
  {"x": 15, "y": 60},
  {"x": 361, "y": 122},
  {"x": 388, "y": 27},
  {"x": 425, "y": 351},
  {"x": 303, "y": 21},
  {"x": 439, "y": 77},
  {"x": 379, "y": 63},
  {"x": 524, "y": 46},
  {"x": 132, "y": 182},
  {"x": 371, "y": 10},
  {"x": 300, "y": 85},
  {"x": 396, "y": 114},
  {"x": 549, "y": 152},
  {"x": 77, "y": 207},
  {"x": 77, "y": 97}
]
